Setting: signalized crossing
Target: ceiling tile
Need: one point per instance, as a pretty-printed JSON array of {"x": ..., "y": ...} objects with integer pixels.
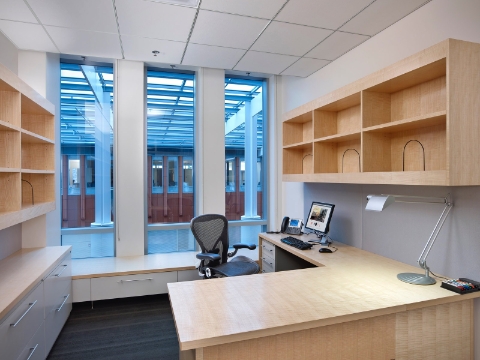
[
  {"x": 27, "y": 36},
  {"x": 335, "y": 45},
  {"x": 140, "y": 49},
  {"x": 92, "y": 15},
  {"x": 266, "y": 10},
  {"x": 265, "y": 62},
  {"x": 16, "y": 10},
  {"x": 380, "y": 15},
  {"x": 86, "y": 43},
  {"x": 289, "y": 39},
  {"x": 305, "y": 67},
  {"x": 212, "y": 56},
  {"x": 154, "y": 20},
  {"x": 220, "y": 29},
  {"x": 321, "y": 13}
]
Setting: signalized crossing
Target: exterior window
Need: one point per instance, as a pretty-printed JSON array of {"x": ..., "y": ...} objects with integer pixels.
[
  {"x": 86, "y": 135},
  {"x": 170, "y": 194},
  {"x": 244, "y": 159}
]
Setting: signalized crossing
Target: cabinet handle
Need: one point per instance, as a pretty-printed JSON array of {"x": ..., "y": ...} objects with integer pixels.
[
  {"x": 63, "y": 303},
  {"x": 25, "y": 313},
  {"x": 32, "y": 350},
  {"x": 266, "y": 248},
  {"x": 122, "y": 281},
  {"x": 267, "y": 261},
  {"x": 64, "y": 267}
]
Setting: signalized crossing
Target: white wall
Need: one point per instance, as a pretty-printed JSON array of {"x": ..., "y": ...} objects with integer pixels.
[
  {"x": 8, "y": 54},
  {"x": 402, "y": 230}
]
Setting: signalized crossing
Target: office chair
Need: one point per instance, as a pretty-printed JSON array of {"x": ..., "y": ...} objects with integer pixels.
[{"x": 211, "y": 233}]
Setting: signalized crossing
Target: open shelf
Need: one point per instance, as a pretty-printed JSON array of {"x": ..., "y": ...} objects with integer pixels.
[
  {"x": 37, "y": 154},
  {"x": 39, "y": 124},
  {"x": 427, "y": 120},
  {"x": 298, "y": 159},
  {"x": 9, "y": 191},
  {"x": 298, "y": 130},
  {"x": 383, "y": 150},
  {"x": 340, "y": 117},
  {"x": 340, "y": 138},
  {"x": 405, "y": 97},
  {"x": 337, "y": 156},
  {"x": 9, "y": 148},
  {"x": 10, "y": 107},
  {"x": 43, "y": 188}
]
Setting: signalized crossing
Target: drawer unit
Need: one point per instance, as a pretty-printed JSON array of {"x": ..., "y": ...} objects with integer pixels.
[
  {"x": 35, "y": 349},
  {"x": 131, "y": 285},
  {"x": 268, "y": 266},
  {"x": 56, "y": 316},
  {"x": 268, "y": 249},
  {"x": 21, "y": 324}
]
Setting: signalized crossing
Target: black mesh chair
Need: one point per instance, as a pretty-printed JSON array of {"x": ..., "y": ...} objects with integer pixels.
[{"x": 211, "y": 233}]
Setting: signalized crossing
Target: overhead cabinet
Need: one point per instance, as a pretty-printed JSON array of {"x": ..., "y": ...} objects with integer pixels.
[
  {"x": 27, "y": 151},
  {"x": 416, "y": 122}
]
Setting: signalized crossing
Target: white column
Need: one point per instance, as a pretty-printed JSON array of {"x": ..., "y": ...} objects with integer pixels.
[
  {"x": 130, "y": 158},
  {"x": 250, "y": 164},
  {"x": 210, "y": 142}
]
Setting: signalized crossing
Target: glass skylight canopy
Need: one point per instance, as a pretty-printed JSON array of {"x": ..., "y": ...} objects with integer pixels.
[{"x": 170, "y": 107}]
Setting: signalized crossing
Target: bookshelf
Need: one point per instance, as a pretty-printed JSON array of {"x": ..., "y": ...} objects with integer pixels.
[{"x": 413, "y": 123}]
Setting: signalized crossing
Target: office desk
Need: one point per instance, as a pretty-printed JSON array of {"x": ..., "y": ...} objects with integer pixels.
[{"x": 350, "y": 306}]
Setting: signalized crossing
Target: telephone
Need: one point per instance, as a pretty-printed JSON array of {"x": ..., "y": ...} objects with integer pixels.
[{"x": 291, "y": 226}]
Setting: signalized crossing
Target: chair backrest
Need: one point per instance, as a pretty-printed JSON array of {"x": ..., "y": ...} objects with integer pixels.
[{"x": 211, "y": 233}]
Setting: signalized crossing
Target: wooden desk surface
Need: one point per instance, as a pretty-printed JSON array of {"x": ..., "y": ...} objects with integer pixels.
[
  {"x": 353, "y": 284},
  {"x": 21, "y": 272}
]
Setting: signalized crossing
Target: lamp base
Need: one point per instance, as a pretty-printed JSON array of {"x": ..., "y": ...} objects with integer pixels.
[{"x": 416, "y": 279}]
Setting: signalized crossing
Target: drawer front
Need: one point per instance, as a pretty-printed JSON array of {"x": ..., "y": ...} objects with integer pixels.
[
  {"x": 267, "y": 267},
  {"x": 57, "y": 282},
  {"x": 35, "y": 349},
  {"x": 131, "y": 285},
  {"x": 21, "y": 324},
  {"x": 81, "y": 290},
  {"x": 56, "y": 317},
  {"x": 268, "y": 249}
]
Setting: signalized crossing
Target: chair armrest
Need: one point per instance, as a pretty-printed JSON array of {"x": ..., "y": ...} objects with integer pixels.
[
  {"x": 245, "y": 246},
  {"x": 208, "y": 256}
]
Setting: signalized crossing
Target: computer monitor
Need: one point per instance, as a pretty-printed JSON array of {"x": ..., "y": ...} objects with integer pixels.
[{"x": 319, "y": 217}]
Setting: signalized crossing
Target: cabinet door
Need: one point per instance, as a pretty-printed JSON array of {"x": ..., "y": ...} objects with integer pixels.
[
  {"x": 131, "y": 285},
  {"x": 20, "y": 326},
  {"x": 56, "y": 316}
]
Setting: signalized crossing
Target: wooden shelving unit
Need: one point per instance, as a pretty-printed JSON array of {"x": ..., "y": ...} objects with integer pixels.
[
  {"x": 27, "y": 156},
  {"x": 415, "y": 123}
]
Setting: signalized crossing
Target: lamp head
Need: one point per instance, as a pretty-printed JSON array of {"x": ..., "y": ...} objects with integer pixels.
[{"x": 379, "y": 202}]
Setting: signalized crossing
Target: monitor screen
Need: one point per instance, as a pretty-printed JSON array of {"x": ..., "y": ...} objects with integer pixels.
[{"x": 319, "y": 217}]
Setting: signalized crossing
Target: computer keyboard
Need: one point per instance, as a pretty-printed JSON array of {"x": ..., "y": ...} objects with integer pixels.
[{"x": 299, "y": 244}]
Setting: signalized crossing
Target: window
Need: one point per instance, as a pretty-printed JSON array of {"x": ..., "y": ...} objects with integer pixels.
[
  {"x": 244, "y": 158},
  {"x": 86, "y": 136},
  {"x": 170, "y": 194}
]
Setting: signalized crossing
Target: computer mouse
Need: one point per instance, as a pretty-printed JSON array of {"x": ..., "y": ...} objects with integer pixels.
[{"x": 325, "y": 250}]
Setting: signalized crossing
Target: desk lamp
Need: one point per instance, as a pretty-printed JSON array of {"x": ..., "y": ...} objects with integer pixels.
[{"x": 380, "y": 202}]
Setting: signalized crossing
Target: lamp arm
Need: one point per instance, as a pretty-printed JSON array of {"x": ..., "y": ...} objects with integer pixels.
[{"x": 422, "y": 260}]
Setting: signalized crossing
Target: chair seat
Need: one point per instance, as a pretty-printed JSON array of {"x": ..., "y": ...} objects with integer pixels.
[{"x": 239, "y": 265}]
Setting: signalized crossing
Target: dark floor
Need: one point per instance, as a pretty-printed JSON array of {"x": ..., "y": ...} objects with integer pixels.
[{"x": 120, "y": 329}]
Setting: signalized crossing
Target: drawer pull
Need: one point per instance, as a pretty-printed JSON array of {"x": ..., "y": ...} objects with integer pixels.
[
  {"x": 122, "y": 281},
  {"x": 32, "y": 350},
  {"x": 63, "y": 303},
  {"x": 267, "y": 261},
  {"x": 25, "y": 313},
  {"x": 64, "y": 267},
  {"x": 267, "y": 248}
]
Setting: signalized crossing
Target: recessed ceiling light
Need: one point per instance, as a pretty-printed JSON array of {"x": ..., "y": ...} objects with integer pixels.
[{"x": 190, "y": 3}]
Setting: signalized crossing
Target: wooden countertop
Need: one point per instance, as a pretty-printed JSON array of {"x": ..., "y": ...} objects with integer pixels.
[
  {"x": 142, "y": 264},
  {"x": 353, "y": 284},
  {"x": 21, "y": 272}
]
